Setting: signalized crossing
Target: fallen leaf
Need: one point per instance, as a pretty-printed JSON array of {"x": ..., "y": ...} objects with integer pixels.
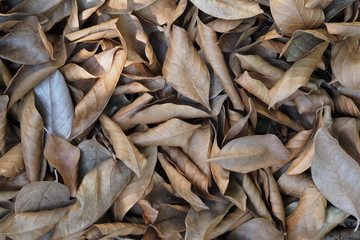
[
  {"x": 39, "y": 196},
  {"x": 64, "y": 157},
  {"x": 334, "y": 172},
  {"x": 181, "y": 59},
  {"x": 12, "y": 163},
  {"x": 55, "y": 105},
  {"x": 250, "y": 153}
]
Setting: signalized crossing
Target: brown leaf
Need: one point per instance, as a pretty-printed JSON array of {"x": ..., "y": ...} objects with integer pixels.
[
  {"x": 236, "y": 194},
  {"x": 90, "y": 107},
  {"x": 255, "y": 87},
  {"x": 181, "y": 59},
  {"x": 39, "y": 196},
  {"x": 335, "y": 173},
  {"x": 302, "y": 162},
  {"x": 298, "y": 75},
  {"x": 124, "y": 149},
  {"x": 181, "y": 185},
  {"x": 250, "y": 153},
  {"x": 294, "y": 185},
  {"x": 65, "y": 158},
  {"x": 35, "y": 50},
  {"x": 291, "y": 15},
  {"x": 173, "y": 132},
  {"x": 32, "y": 138},
  {"x": 137, "y": 186},
  {"x": 346, "y": 106},
  {"x": 344, "y": 63},
  {"x": 251, "y": 231},
  {"x": 230, "y": 10},
  {"x": 159, "y": 12},
  {"x": 113, "y": 6},
  {"x": 347, "y": 29},
  {"x": 308, "y": 217},
  {"x": 92, "y": 154},
  {"x": 333, "y": 217},
  {"x": 97, "y": 231},
  {"x": 100, "y": 64},
  {"x": 209, "y": 44},
  {"x": 4, "y": 99},
  {"x": 102, "y": 184},
  {"x": 17, "y": 227},
  {"x": 12, "y": 163},
  {"x": 185, "y": 166}
]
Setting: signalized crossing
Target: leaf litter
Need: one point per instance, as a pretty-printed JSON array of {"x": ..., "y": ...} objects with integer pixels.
[{"x": 179, "y": 119}]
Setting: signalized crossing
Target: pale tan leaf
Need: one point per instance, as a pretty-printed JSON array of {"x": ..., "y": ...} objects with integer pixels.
[
  {"x": 335, "y": 173},
  {"x": 159, "y": 12},
  {"x": 65, "y": 158},
  {"x": 346, "y": 106},
  {"x": 250, "y": 153},
  {"x": 345, "y": 63},
  {"x": 309, "y": 104},
  {"x": 181, "y": 59},
  {"x": 183, "y": 163},
  {"x": 136, "y": 188},
  {"x": 164, "y": 111},
  {"x": 39, "y": 196},
  {"x": 291, "y": 15},
  {"x": 89, "y": 109},
  {"x": 113, "y": 6},
  {"x": 254, "y": 86},
  {"x": 333, "y": 217},
  {"x": 100, "y": 64},
  {"x": 298, "y": 142},
  {"x": 209, "y": 44},
  {"x": 251, "y": 231},
  {"x": 97, "y": 192},
  {"x": 303, "y": 161},
  {"x": 181, "y": 185},
  {"x": 12, "y": 163},
  {"x": 294, "y": 185},
  {"x": 32, "y": 138},
  {"x": 173, "y": 132},
  {"x": 236, "y": 194},
  {"x": 98, "y": 231},
  {"x": 308, "y": 217},
  {"x": 346, "y": 29},
  {"x": 229, "y": 9},
  {"x": 17, "y": 227},
  {"x": 223, "y": 25},
  {"x": 298, "y": 75},
  {"x": 256, "y": 63},
  {"x": 124, "y": 149},
  {"x": 35, "y": 50}
]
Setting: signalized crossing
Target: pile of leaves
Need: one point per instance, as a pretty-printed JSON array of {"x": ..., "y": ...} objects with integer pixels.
[{"x": 166, "y": 119}]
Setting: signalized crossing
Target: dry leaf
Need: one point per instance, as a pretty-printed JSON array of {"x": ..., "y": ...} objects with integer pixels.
[
  {"x": 250, "y": 153},
  {"x": 102, "y": 184},
  {"x": 12, "y": 163},
  {"x": 335, "y": 173},
  {"x": 173, "y": 132},
  {"x": 291, "y": 15},
  {"x": 54, "y": 104},
  {"x": 32, "y": 138},
  {"x": 64, "y": 157},
  {"x": 230, "y": 10},
  {"x": 39, "y": 196},
  {"x": 181, "y": 59}
]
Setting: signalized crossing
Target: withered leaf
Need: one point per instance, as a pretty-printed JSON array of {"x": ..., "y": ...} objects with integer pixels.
[
  {"x": 97, "y": 192},
  {"x": 96, "y": 99},
  {"x": 35, "y": 50},
  {"x": 124, "y": 149},
  {"x": 181, "y": 185},
  {"x": 12, "y": 163},
  {"x": 39, "y": 196},
  {"x": 250, "y": 153},
  {"x": 4, "y": 99},
  {"x": 32, "y": 138},
  {"x": 181, "y": 59},
  {"x": 291, "y": 15},
  {"x": 55, "y": 105},
  {"x": 335, "y": 173},
  {"x": 64, "y": 157},
  {"x": 173, "y": 132},
  {"x": 97, "y": 231},
  {"x": 230, "y": 10}
]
